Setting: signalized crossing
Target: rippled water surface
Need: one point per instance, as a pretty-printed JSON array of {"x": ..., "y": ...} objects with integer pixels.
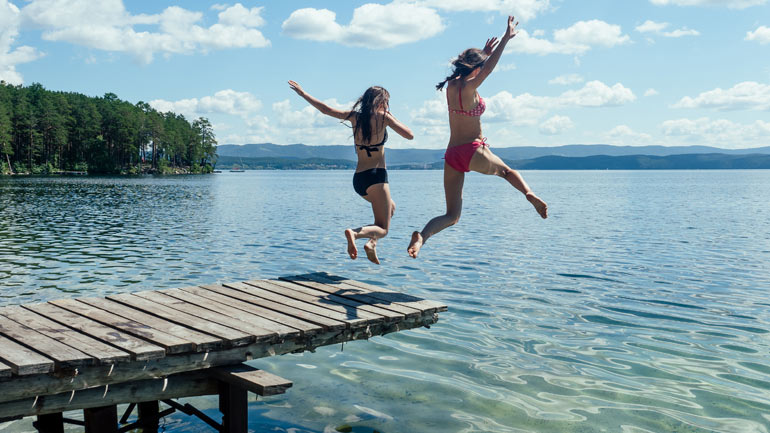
[{"x": 640, "y": 305}]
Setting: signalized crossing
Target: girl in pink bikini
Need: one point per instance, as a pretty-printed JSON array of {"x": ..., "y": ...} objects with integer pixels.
[{"x": 467, "y": 149}]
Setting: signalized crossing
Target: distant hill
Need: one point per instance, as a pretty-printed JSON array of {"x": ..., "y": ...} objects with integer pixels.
[
  {"x": 419, "y": 158},
  {"x": 228, "y": 162},
  {"x": 645, "y": 162}
]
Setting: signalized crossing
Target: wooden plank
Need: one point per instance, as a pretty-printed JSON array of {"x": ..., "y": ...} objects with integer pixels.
[
  {"x": 229, "y": 315},
  {"x": 139, "y": 349},
  {"x": 170, "y": 343},
  {"x": 385, "y": 295},
  {"x": 228, "y": 337},
  {"x": 338, "y": 303},
  {"x": 351, "y": 317},
  {"x": 5, "y": 370},
  {"x": 282, "y": 308},
  {"x": 201, "y": 342},
  {"x": 230, "y": 305},
  {"x": 176, "y": 386},
  {"x": 23, "y": 361},
  {"x": 354, "y": 293},
  {"x": 64, "y": 357},
  {"x": 257, "y": 381},
  {"x": 104, "y": 353}
]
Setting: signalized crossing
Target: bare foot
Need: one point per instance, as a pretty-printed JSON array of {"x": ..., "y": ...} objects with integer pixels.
[
  {"x": 539, "y": 204},
  {"x": 350, "y": 235},
  {"x": 415, "y": 245},
  {"x": 371, "y": 251}
]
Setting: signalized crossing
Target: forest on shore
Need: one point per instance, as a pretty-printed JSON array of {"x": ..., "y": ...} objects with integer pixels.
[{"x": 49, "y": 132}]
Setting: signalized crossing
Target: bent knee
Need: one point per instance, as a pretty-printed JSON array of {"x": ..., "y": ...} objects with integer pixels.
[{"x": 453, "y": 219}]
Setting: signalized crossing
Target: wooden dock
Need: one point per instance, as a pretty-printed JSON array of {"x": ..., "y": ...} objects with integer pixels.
[{"x": 145, "y": 347}]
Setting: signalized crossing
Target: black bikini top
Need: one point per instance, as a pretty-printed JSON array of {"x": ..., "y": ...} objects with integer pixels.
[{"x": 373, "y": 147}]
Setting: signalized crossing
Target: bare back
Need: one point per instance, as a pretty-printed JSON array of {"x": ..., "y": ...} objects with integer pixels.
[
  {"x": 463, "y": 129},
  {"x": 371, "y": 154}
]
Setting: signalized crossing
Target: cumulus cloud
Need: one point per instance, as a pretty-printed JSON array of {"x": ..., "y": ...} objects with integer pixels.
[
  {"x": 761, "y": 35},
  {"x": 556, "y": 125},
  {"x": 108, "y": 26},
  {"x": 720, "y": 132},
  {"x": 576, "y": 39},
  {"x": 242, "y": 104},
  {"x": 523, "y": 10},
  {"x": 11, "y": 56},
  {"x": 623, "y": 135},
  {"x": 730, "y": 4},
  {"x": 659, "y": 29},
  {"x": 650, "y": 92},
  {"x": 373, "y": 26},
  {"x": 748, "y": 95},
  {"x": 566, "y": 80}
]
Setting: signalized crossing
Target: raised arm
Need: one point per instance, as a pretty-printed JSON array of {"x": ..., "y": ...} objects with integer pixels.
[
  {"x": 397, "y": 126},
  {"x": 494, "y": 51},
  {"x": 323, "y": 108}
]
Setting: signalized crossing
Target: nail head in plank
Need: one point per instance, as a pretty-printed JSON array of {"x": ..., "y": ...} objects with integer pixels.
[
  {"x": 139, "y": 349},
  {"x": 257, "y": 381},
  {"x": 95, "y": 348}
]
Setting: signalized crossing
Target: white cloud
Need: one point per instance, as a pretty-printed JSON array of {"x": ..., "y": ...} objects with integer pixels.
[
  {"x": 566, "y": 80},
  {"x": 623, "y": 135},
  {"x": 576, "y": 39},
  {"x": 720, "y": 132},
  {"x": 108, "y": 26},
  {"x": 658, "y": 29},
  {"x": 730, "y": 4},
  {"x": 650, "y": 92},
  {"x": 556, "y": 125},
  {"x": 761, "y": 35},
  {"x": 523, "y": 10},
  {"x": 597, "y": 94},
  {"x": 242, "y": 104},
  {"x": 10, "y": 56},
  {"x": 748, "y": 95},
  {"x": 506, "y": 67},
  {"x": 373, "y": 26}
]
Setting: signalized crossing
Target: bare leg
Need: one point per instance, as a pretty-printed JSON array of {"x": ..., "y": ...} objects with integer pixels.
[
  {"x": 486, "y": 162},
  {"x": 453, "y": 191},
  {"x": 383, "y": 208}
]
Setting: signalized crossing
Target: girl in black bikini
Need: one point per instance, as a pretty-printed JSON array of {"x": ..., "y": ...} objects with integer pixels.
[{"x": 369, "y": 118}]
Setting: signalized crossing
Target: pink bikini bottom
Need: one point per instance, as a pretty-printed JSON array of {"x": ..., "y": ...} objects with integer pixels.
[{"x": 459, "y": 157}]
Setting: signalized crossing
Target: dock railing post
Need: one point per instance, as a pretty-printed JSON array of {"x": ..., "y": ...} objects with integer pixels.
[{"x": 233, "y": 403}]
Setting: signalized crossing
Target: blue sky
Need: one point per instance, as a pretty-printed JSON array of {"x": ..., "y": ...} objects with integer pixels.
[{"x": 626, "y": 72}]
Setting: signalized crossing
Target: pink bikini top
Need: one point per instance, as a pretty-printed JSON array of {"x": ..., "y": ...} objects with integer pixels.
[{"x": 476, "y": 112}]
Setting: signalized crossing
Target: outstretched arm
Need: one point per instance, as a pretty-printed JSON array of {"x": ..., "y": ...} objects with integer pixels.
[
  {"x": 397, "y": 126},
  {"x": 494, "y": 50},
  {"x": 323, "y": 108}
]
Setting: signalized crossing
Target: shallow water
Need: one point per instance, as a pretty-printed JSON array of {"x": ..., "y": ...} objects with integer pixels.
[{"x": 639, "y": 306}]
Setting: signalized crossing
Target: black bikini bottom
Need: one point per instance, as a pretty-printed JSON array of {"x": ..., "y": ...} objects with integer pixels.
[{"x": 364, "y": 179}]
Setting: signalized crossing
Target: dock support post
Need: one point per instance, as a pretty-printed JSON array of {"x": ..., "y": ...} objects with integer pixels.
[
  {"x": 50, "y": 423},
  {"x": 101, "y": 419},
  {"x": 149, "y": 412},
  {"x": 233, "y": 403}
]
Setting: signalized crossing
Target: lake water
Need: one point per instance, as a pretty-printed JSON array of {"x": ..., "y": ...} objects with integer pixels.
[{"x": 640, "y": 305}]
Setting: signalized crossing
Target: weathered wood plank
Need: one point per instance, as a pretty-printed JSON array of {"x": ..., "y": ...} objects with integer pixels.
[
  {"x": 337, "y": 303},
  {"x": 227, "y": 336},
  {"x": 23, "y": 361},
  {"x": 176, "y": 386},
  {"x": 5, "y": 370},
  {"x": 385, "y": 295},
  {"x": 64, "y": 357},
  {"x": 102, "y": 352},
  {"x": 139, "y": 349},
  {"x": 230, "y": 305},
  {"x": 252, "y": 379},
  {"x": 202, "y": 342},
  {"x": 229, "y": 315},
  {"x": 282, "y": 308},
  {"x": 351, "y": 317},
  {"x": 170, "y": 343}
]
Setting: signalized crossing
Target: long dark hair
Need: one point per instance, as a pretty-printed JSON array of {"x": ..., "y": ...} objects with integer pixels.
[
  {"x": 364, "y": 109},
  {"x": 464, "y": 64}
]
